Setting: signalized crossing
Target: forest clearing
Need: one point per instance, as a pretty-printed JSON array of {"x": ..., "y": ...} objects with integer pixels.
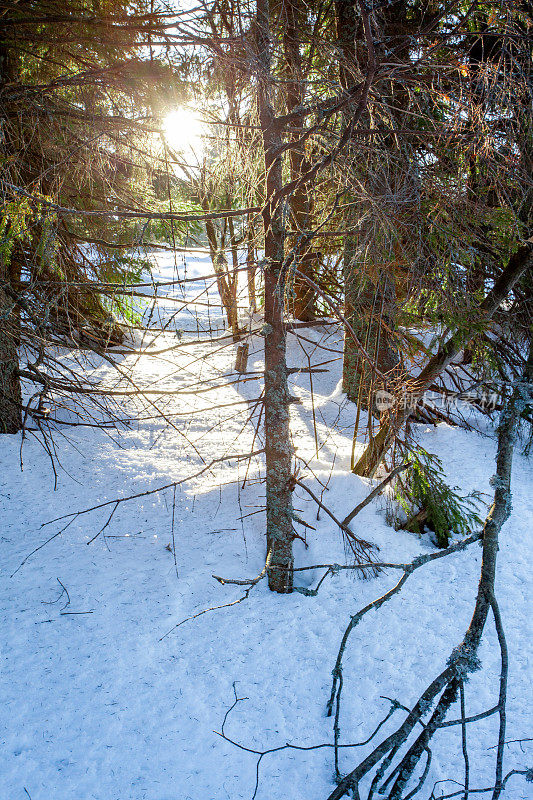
[{"x": 265, "y": 400}]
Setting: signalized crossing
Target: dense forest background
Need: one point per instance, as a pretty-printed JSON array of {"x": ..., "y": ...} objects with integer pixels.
[{"x": 268, "y": 250}]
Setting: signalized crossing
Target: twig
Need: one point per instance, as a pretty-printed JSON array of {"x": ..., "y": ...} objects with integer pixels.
[
  {"x": 102, "y": 529},
  {"x": 207, "y": 610},
  {"x": 148, "y": 492},
  {"x": 64, "y": 590},
  {"x": 502, "y": 695},
  {"x": 463, "y": 738},
  {"x": 173, "y": 534},
  {"x": 527, "y": 772},
  {"x": 103, "y": 212},
  {"x": 40, "y": 547},
  {"x": 374, "y": 493},
  {"x": 288, "y": 745},
  {"x": 358, "y": 546},
  {"x": 74, "y": 613},
  {"x": 75, "y": 514},
  {"x": 474, "y": 718},
  {"x": 247, "y": 582},
  {"x": 512, "y": 741}
]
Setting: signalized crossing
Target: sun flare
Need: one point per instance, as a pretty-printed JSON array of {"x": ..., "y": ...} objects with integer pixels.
[{"x": 184, "y": 130}]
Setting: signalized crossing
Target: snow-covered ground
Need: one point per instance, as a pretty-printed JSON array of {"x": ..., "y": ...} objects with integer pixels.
[{"x": 100, "y": 704}]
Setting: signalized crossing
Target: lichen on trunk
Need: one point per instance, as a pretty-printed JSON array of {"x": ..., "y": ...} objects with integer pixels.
[{"x": 277, "y": 438}]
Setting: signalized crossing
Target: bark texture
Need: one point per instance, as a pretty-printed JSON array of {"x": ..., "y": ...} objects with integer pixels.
[
  {"x": 346, "y": 29},
  {"x": 10, "y": 391},
  {"x": 277, "y": 439}
]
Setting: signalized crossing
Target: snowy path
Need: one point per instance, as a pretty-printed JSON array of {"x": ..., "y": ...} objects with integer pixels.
[{"x": 98, "y": 707}]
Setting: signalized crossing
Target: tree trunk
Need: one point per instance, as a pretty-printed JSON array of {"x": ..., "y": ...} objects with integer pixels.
[
  {"x": 300, "y": 200},
  {"x": 10, "y": 390},
  {"x": 346, "y": 27},
  {"x": 250, "y": 266},
  {"x": 233, "y": 282},
  {"x": 371, "y": 312},
  {"x": 277, "y": 440},
  {"x": 369, "y": 282},
  {"x": 227, "y": 288}
]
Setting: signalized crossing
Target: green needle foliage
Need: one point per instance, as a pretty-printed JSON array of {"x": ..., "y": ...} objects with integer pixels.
[{"x": 429, "y": 502}]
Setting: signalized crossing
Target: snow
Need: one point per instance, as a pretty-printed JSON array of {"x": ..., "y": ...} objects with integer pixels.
[{"x": 102, "y": 704}]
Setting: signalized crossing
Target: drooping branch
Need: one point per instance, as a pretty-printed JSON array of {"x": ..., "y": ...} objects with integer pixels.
[
  {"x": 518, "y": 265},
  {"x": 441, "y": 693}
]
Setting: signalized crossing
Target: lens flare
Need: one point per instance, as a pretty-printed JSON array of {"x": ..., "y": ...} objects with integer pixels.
[{"x": 184, "y": 131}]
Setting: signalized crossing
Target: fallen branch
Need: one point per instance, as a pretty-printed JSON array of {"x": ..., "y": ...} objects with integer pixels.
[
  {"x": 527, "y": 772},
  {"x": 247, "y": 582},
  {"x": 288, "y": 746},
  {"x": 374, "y": 493},
  {"x": 333, "y": 568},
  {"x": 519, "y": 263},
  {"x": 407, "y": 570},
  {"x": 207, "y": 610},
  {"x": 359, "y": 547},
  {"x": 442, "y": 691}
]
